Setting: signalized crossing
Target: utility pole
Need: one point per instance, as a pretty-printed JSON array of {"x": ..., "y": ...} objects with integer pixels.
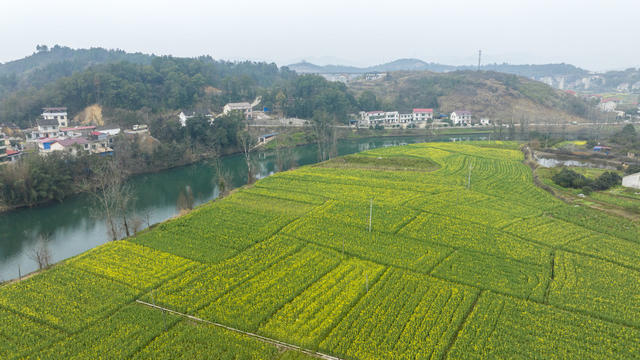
[
  {"x": 479, "y": 58},
  {"x": 367, "y": 276},
  {"x": 370, "y": 213},
  {"x": 469, "y": 178}
]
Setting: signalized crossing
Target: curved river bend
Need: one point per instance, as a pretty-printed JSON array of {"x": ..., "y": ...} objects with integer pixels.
[{"x": 73, "y": 229}]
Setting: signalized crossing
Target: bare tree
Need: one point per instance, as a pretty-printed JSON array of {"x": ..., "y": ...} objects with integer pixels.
[
  {"x": 41, "y": 253},
  {"x": 247, "y": 141},
  {"x": 185, "y": 200},
  {"x": 113, "y": 196},
  {"x": 324, "y": 133}
]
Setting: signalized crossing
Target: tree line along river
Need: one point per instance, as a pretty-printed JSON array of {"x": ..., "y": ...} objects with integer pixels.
[{"x": 73, "y": 226}]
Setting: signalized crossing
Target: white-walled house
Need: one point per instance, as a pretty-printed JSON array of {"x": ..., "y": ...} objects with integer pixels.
[
  {"x": 422, "y": 115},
  {"x": 405, "y": 118},
  {"x": 391, "y": 117},
  {"x": 244, "y": 107},
  {"x": 608, "y": 106},
  {"x": 485, "y": 121},
  {"x": 56, "y": 113},
  {"x": 631, "y": 181},
  {"x": 461, "y": 117}
]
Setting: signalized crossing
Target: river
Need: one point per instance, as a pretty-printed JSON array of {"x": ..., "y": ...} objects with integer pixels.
[{"x": 73, "y": 226}]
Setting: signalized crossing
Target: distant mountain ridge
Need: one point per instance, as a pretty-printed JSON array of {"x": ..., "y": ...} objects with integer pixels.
[{"x": 562, "y": 76}]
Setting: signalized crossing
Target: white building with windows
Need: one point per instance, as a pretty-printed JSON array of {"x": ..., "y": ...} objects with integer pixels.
[
  {"x": 461, "y": 117},
  {"x": 405, "y": 118},
  {"x": 391, "y": 117},
  {"x": 56, "y": 113},
  {"x": 243, "y": 107},
  {"x": 422, "y": 115}
]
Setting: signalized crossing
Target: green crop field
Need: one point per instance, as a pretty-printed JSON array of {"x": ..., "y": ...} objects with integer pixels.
[{"x": 426, "y": 251}]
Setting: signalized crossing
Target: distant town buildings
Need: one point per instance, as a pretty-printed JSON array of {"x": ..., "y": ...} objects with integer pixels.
[{"x": 419, "y": 117}]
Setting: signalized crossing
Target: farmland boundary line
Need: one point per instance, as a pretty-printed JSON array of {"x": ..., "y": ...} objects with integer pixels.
[
  {"x": 461, "y": 325},
  {"x": 261, "y": 338}
]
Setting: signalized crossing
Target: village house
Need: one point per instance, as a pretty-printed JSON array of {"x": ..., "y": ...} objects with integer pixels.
[
  {"x": 76, "y": 131},
  {"x": 56, "y": 113},
  {"x": 373, "y": 118},
  {"x": 461, "y": 117},
  {"x": 485, "y": 121},
  {"x": 243, "y": 107},
  {"x": 138, "y": 129},
  {"x": 391, "y": 117},
  {"x": 405, "y": 118},
  {"x": 13, "y": 155},
  {"x": 49, "y": 124},
  {"x": 422, "y": 115},
  {"x": 631, "y": 181},
  {"x": 3, "y": 148},
  {"x": 608, "y": 105},
  {"x": 73, "y": 145}
]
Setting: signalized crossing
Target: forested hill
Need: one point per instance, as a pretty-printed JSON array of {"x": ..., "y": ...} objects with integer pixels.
[
  {"x": 499, "y": 96},
  {"x": 49, "y": 64},
  {"x": 148, "y": 87},
  {"x": 168, "y": 84}
]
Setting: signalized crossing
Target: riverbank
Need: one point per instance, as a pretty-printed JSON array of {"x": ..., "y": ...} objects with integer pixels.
[{"x": 73, "y": 227}]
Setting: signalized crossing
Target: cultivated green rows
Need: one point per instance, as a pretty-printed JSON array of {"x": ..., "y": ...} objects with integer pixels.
[{"x": 494, "y": 268}]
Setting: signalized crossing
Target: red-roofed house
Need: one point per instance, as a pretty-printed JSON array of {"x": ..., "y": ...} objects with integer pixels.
[{"x": 422, "y": 114}]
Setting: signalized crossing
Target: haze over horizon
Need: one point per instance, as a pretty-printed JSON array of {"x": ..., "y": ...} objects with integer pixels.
[{"x": 590, "y": 34}]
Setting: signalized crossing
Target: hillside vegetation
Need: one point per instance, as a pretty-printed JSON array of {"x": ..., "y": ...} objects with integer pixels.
[
  {"x": 487, "y": 94},
  {"x": 467, "y": 259}
]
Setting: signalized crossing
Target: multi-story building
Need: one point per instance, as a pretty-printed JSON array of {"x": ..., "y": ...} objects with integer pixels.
[
  {"x": 422, "y": 115},
  {"x": 244, "y": 107},
  {"x": 49, "y": 124},
  {"x": 461, "y": 117},
  {"x": 405, "y": 118},
  {"x": 56, "y": 113},
  {"x": 391, "y": 117}
]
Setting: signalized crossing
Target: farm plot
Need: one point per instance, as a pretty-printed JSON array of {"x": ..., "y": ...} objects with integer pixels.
[
  {"x": 599, "y": 221},
  {"x": 66, "y": 297},
  {"x": 502, "y": 327},
  {"x": 254, "y": 301},
  {"x": 383, "y": 248},
  {"x": 308, "y": 318},
  {"x": 214, "y": 232},
  {"x": 474, "y": 237},
  {"x": 405, "y": 315},
  {"x": 610, "y": 248},
  {"x": 135, "y": 265},
  {"x": 117, "y": 337},
  {"x": 189, "y": 340},
  {"x": 384, "y": 217},
  {"x": 499, "y": 274},
  {"x": 547, "y": 230},
  {"x": 596, "y": 287},
  {"x": 21, "y": 335},
  {"x": 195, "y": 289}
]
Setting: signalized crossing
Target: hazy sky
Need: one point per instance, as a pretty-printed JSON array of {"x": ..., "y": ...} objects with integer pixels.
[{"x": 596, "y": 35}]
